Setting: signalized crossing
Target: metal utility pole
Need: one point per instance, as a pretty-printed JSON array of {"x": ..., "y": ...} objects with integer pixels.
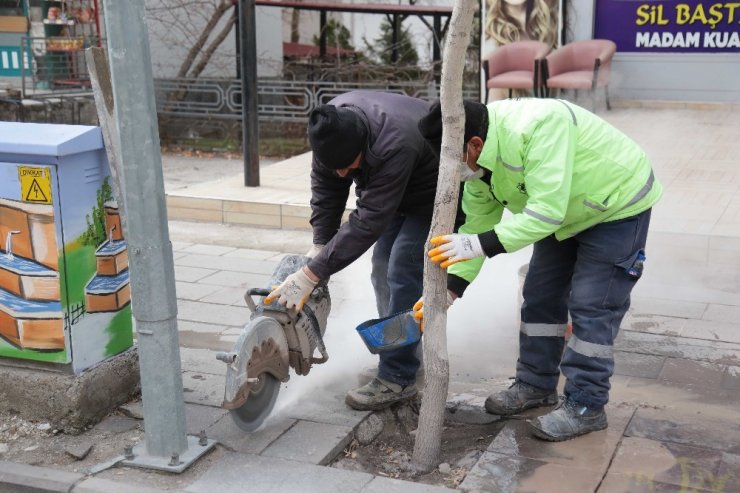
[
  {"x": 238, "y": 42},
  {"x": 436, "y": 50},
  {"x": 322, "y": 34},
  {"x": 154, "y": 302},
  {"x": 248, "y": 62}
]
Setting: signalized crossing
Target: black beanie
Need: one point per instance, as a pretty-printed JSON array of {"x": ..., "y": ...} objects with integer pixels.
[
  {"x": 337, "y": 135},
  {"x": 476, "y": 122}
]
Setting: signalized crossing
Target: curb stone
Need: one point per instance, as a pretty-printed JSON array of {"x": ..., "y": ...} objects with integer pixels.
[
  {"x": 24, "y": 478},
  {"x": 97, "y": 485}
]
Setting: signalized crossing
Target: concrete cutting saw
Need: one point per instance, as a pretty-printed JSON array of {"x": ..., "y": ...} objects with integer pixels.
[{"x": 275, "y": 340}]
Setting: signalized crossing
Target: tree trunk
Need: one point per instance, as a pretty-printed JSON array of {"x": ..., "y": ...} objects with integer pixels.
[
  {"x": 295, "y": 25},
  {"x": 436, "y": 361}
]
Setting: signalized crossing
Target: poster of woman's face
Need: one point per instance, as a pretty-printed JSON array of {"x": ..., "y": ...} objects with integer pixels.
[{"x": 508, "y": 21}]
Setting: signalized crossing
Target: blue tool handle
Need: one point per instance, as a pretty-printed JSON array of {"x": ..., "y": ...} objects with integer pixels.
[{"x": 637, "y": 267}]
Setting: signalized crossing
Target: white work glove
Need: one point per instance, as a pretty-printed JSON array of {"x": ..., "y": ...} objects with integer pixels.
[
  {"x": 419, "y": 308},
  {"x": 451, "y": 249},
  {"x": 315, "y": 250},
  {"x": 294, "y": 291}
]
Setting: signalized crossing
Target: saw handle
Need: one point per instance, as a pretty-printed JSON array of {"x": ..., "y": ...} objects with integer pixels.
[
  {"x": 312, "y": 320},
  {"x": 254, "y": 292}
]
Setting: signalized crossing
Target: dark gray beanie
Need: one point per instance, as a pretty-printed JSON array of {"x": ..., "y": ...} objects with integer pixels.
[{"x": 337, "y": 135}]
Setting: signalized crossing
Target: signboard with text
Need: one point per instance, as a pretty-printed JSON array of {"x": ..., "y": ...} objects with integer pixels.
[{"x": 693, "y": 26}]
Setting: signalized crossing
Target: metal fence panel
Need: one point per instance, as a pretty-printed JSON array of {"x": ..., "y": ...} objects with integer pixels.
[{"x": 279, "y": 100}]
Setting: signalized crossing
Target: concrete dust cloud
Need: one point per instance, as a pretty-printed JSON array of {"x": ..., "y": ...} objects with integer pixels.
[
  {"x": 353, "y": 302},
  {"x": 483, "y": 326},
  {"x": 482, "y": 331}
]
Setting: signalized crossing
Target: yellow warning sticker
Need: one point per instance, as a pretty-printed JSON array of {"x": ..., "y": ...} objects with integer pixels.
[{"x": 35, "y": 184}]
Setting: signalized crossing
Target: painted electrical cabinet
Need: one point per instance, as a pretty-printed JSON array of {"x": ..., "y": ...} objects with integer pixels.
[{"x": 64, "y": 278}]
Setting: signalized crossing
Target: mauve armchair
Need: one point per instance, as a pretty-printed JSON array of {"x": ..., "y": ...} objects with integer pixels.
[
  {"x": 515, "y": 66},
  {"x": 580, "y": 65}
]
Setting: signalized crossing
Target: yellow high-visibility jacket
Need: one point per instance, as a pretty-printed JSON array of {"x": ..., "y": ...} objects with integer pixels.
[{"x": 559, "y": 169}]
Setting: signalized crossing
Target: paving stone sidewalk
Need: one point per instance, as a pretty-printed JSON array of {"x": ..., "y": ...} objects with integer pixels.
[{"x": 673, "y": 417}]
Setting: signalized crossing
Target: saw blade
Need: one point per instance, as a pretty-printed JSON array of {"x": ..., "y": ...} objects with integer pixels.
[
  {"x": 262, "y": 353},
  {"x": 250, "y": 415}
]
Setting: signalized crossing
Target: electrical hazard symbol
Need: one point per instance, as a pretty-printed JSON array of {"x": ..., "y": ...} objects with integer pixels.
[{"x": 35, "y": 184}]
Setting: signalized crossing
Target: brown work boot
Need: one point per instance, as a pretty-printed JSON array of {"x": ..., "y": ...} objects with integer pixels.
[
  {"x": 519, "y": 397},
  {"x": 379, "y": 394}
]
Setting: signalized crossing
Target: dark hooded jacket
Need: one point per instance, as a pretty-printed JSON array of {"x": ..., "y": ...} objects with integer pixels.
[{"x": 398, "y": 175}]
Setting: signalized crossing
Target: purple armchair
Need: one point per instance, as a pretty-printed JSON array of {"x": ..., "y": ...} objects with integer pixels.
[
  {"x": 515, "y": 66},
  {"x": 580, "y": 65}
]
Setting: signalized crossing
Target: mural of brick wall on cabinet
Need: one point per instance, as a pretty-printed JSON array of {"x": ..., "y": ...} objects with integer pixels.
[
  {"x": 30, "y": 299},
  {"x": 64, "y": 285},
  {"x": 109, "y": 290}
]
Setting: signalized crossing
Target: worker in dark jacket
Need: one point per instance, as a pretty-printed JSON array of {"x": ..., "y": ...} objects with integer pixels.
[{"x": 371, "y": 139}]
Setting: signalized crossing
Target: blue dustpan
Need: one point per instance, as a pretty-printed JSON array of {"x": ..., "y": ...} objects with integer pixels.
[{"x": 393, "y": 332}]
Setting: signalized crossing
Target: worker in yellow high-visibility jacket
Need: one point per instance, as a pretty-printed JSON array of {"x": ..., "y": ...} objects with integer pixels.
[{"x": 581, "y": 191}]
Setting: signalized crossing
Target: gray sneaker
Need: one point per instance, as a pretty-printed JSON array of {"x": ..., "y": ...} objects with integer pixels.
[
  {"x": 378, "y": 394},
  {"x": 567, "y": 421},
  {"x": 518, "y": 397}
]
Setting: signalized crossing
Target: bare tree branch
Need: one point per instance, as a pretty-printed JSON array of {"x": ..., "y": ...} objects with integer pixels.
[
  {"x": 221, "y": 9},
  {"x": 206, "y": 56}
]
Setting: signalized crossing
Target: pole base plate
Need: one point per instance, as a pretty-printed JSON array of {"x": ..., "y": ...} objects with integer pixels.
[{"x": 143, "y": 460}]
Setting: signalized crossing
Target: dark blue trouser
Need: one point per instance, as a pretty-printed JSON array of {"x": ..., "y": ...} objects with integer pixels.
[
  {"x": 589, "y": 276},
  {"x": 398, "y": 279}
]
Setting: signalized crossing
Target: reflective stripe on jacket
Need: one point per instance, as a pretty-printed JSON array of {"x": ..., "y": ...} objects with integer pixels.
[{"x": 559, "y": 169}]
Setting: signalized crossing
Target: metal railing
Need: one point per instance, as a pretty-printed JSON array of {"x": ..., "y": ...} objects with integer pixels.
[
  {"x": 278, "y": 100},
  {"x": 204, "y": 111},
  {"x": 207, "y": 113}
]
